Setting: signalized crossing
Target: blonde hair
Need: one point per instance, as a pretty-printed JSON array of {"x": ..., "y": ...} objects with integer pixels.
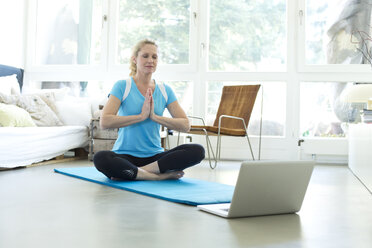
[{"x": 135, "y": 51}]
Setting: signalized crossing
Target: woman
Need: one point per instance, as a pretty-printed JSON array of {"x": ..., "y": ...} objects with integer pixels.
[{"x": 137, "y": 153}]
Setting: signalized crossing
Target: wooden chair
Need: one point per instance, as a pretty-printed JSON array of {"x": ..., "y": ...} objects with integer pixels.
[{"x": 232, "y": 118}]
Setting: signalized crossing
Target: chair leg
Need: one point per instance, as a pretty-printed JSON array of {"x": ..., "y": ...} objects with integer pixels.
[
  {"x": 259, "y": 144},
  {"x": 167, "y": 141},
  {"x": 219, "y": 144},
  {"x": 209, "y": 146},
  {"x": 218, "y": 149},
  {"x": 250, "y": 147},
  {"x": 178, "y": 138}
]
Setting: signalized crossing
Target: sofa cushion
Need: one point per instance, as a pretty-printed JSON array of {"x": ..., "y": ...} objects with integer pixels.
[
  {"x": 40, "y": 112},
  {"x": 13, "y": 116},
  {"x": 9, "y": 85},
  {"x": 74, "y": 111}
]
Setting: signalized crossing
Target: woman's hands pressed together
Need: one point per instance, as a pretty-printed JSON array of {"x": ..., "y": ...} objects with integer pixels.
[
  {"x": 148, "y": 105},
  {"x": 179, "y": 120},
  {"x": 152, "y": 111}
]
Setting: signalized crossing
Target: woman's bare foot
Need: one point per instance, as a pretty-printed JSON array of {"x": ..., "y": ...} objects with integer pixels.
[
  {"x": 171, "y": 175},
  {"x": 143, "y": 175}
]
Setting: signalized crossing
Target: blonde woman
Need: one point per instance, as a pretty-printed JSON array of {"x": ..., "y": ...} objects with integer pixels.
[{"x": 137, "y": 153}]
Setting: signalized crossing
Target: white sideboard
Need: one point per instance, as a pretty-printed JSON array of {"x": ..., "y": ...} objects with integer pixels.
[{"x": 360, "y": 152}]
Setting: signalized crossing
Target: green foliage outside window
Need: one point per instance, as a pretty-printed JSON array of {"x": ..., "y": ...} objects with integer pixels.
[
  {"x": 165, "y": 21},
  {"x": 243, "y": 33}
]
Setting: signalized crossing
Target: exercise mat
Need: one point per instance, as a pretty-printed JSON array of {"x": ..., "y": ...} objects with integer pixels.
[{"x": 185, "y": 190}]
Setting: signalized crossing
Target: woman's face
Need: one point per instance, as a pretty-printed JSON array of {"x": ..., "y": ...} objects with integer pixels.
[{"x": 147, "y": 59}]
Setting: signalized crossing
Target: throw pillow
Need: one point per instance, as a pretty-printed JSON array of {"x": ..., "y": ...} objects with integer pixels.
[
  {"x": 5, "y": 87},
  {"x": 9, "y": 85},
  {"x": 40, "y": 112},
  {"x": 9, "y": 99},
  {"x": 49, "y": 98},
  {"x": 74, "y": 111},
  {"x": 13, "y": 116}
]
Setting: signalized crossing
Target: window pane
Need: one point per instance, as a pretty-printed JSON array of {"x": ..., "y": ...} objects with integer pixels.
[
  {"x": 336, "y": 30},
  {"x": 68, "y": 32},
  {"x": 92, "y": 89},
  {"x": 166, "y": 22},
  {"x": 12, "y": 32},
  {"x": 247, "y": 35},
  {"x": 274, "y": 107},
  {"x": 325, "y": 109},
  {"x": 184, "y": 93}
]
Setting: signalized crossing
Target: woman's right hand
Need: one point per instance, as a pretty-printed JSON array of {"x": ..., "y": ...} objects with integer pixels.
[
  {"x": 110, "y": 119},
  {"x": 146, "y": 107}
]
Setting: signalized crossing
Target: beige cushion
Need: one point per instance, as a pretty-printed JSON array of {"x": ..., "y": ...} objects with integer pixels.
[
  {"x": 13, "y": 116},
  {"x": 40, "y": 112},
  {"x": 49, "y": 98},
  {"x": 9, "y": 99}
]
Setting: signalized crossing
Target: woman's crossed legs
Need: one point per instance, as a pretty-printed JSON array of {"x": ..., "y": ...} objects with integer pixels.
[{"x": 166, "y": 165}]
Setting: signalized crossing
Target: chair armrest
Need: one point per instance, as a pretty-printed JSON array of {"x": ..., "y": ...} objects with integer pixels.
[
  {"x": 194, "y": 117},
  {"x": 198, "y": 118},
  {"x": 231, "y": 117}
]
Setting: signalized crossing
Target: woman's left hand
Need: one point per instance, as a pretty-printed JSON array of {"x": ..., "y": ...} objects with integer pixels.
[{"x": 152, "y": 108}]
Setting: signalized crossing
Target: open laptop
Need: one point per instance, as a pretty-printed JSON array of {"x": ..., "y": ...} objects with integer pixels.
[{"x": 266, "y": 188}]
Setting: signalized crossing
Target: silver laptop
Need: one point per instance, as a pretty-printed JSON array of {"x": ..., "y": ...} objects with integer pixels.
[{"x": 266, "y": 188}]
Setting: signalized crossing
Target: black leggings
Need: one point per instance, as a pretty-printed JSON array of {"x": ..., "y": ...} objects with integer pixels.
[{"x": 125, "y": 166}]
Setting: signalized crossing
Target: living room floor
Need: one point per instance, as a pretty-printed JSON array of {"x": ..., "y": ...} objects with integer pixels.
[{"x": 40, "y": 208}]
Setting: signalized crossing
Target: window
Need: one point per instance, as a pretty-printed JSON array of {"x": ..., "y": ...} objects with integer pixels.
[
  {"x": 274, "y": 107},
  {"x": 337, "y": 32},
  {"x": 247, "y": 35},
  {"x": 328, "y": 107},
  {"x": 68, "y": 32},
  {"x": 184, "y": 94},
  {"x": 204, "y": 45},
  {"x": 12, "y": 30},
  {"x": 167, "y": 22},
  {"x": 324, "y": 113}
]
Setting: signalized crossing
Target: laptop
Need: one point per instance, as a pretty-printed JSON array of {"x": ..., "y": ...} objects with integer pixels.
[{"x": 266, "y": 188}]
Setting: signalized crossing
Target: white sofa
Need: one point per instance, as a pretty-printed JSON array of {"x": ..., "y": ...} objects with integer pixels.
[{"x": 39, "y": 125}]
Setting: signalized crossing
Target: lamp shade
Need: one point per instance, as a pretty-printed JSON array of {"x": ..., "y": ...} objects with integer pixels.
[{"x": 357, "y": 93}]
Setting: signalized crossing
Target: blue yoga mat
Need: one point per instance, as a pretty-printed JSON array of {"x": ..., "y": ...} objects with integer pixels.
[{"x": 185, "y": 190}]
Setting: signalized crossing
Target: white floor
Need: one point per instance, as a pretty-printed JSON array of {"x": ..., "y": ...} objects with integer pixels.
[{"x": 40, "y": 208}]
